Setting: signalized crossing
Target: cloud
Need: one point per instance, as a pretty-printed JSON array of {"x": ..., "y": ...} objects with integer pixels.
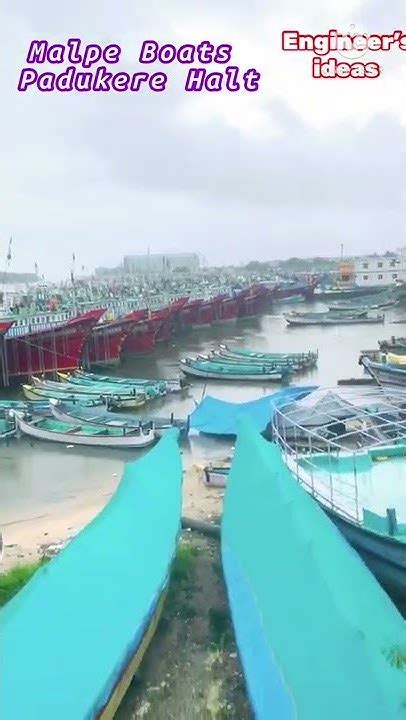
[{"x": 296, "y": 168}]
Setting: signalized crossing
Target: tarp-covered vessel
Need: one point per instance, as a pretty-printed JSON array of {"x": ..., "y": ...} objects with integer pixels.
[{"x": 73, "y": 638}]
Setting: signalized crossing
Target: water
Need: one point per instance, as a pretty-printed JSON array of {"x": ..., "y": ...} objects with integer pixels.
[{"x": 35, "y": 476}]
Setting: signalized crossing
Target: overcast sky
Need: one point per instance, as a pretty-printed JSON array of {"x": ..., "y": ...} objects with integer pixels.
[{"x": 297, "y": 168}]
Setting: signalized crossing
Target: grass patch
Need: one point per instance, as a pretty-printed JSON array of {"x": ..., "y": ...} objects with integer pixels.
[
  {"x": 13, "y": 581},
  {"x": 219, "y": 623}
]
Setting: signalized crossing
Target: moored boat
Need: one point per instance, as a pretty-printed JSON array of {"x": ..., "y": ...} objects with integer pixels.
[
  {"x": 101, "y": 416},
  {"x": 111, "y": 399},
  {"x": 307, "y": 358},
  {"x": 169, "y": 385},
  {"x": 106, "y": 341},
  {"x": 47, "y": 348},
  {"x": 85, "y": 434},
  {"x": 76, "y": 634},
  {"x": 294, "y": 319},
  {"x": 221, "y": 371},
  {"x": 316, "y": 634}
]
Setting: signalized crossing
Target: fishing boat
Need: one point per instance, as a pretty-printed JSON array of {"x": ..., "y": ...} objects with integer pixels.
[
  {"x": 308, "y": 359},
  {"x": 278, "y": 364},
  {"x": 289, "y": 299},
  {"x": 221, "y": 371},
  {"x": 295, "y": 319},
  {"x": 79, "y": 386},
  {"x": 100, "y": 416},
  {"x": 33, "y": 348},
  {"x": 365, "y": 303},
  {"x": 316, "y": 634},
  {"x": 347, "y": 448},
  {"x": 113, "y": 400},
  {"x": 383, "y": 373},
  {"x": 168, "y": 385},
  {"x": 85, "y": 434},
  {"x": 75, "y": 635}
]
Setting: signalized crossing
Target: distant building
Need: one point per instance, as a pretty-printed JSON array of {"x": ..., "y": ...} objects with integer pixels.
[
  {"x": 375, "y": 270},
  {"x": 161, "y": 264}
]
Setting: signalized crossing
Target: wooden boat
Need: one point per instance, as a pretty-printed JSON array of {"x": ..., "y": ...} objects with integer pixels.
[
  {"x": 95, "y": 388},
  {"x": 222, "y": 371},
  {"x": 317, "y": 636},
  {"x": 307, "y": 358},
  {"x": 100, "y": 416},
  {"x": 383, "y": 373},
  {"x": 297, "y": 319},
  {"x": 170, "y": 385},
  {"x": 76, "y": 634},
  {"x": 113, "y": 400},
  {"x": 365, "y": 303},
  {"x": 150, "y": 390},
  {"x": 85, "y": 434},
  {"x": 289, "y": 366}
]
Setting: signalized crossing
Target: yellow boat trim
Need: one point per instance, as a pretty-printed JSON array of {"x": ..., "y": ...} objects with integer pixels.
[
  {"x": 116, "y": 697},
  {"x": 63, "y": 376}
]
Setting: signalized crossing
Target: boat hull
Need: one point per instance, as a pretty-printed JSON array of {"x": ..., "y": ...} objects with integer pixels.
[
  {"x": 58, "y": 347},
  {"x": 126, "y": 441},
  {"x": 385, "y": 557},
  {"x": 265, "y": 377},
  {"x": 106, "y": 342}
]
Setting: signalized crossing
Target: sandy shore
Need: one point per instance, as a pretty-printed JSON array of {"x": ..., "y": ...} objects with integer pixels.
[{"x": 25, "y": 540}]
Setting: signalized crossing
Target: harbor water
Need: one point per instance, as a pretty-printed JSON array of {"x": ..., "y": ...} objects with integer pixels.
[{"x": 36, "y": 476}]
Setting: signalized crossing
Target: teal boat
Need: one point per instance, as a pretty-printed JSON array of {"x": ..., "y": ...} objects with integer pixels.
[
  {"x": 211, "y": 370},
  {"x": 112, "y": 400},
  {"x": 307, "y": 359},
  {"x": 149, "y": 392},
  {"x": 170, "y": 385},
  {"x": 317, "y": 636},
  {"x": 151, "y": 389},
  {"x": 101, "y": 416},
  {"x": 73, "y": 638}
]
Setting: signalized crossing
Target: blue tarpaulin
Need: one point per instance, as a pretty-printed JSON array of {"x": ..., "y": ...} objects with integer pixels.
[{"x": 219, "y": 417}]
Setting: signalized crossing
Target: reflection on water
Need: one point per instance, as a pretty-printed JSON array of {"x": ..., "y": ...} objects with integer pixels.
[{"x": 35, "y": 475}]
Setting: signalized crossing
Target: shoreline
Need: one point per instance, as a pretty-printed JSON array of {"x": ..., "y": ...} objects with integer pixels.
[{"x": 27, "y": 539}]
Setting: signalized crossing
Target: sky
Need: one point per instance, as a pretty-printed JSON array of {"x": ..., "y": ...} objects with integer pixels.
[{"x": 295, "y": 169}]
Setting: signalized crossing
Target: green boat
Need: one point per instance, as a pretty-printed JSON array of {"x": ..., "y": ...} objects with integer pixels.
[
  {"x": 308, "y": 359},
  {"x": 112, "y": 400}
]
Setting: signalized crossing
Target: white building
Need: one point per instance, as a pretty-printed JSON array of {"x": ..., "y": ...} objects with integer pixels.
[
  {"x": 375, "y": 270},
  {"x": 161, "y": 264}
]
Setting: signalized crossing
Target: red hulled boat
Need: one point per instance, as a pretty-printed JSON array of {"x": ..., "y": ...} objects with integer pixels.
[
  {"x": 253, "y": 300},
  {"x": 56, "y": 346},
  {"x": 106, "y": 342},
  {"x": 141, "y": 338}
]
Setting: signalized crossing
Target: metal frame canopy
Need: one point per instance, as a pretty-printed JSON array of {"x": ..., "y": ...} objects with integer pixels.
[
  {"x": 337, "y": 427},
  {"x": 341, "y": 418}
]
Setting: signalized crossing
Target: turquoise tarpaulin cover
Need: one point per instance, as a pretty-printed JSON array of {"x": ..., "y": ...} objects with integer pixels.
[
  {"x": 315, "y": 631},
  {"x": 66, "y": 637},
  {"x": 219, "y": 417}
]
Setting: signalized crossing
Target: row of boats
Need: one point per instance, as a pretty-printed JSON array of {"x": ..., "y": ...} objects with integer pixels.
[
  {"x": 51, "y": 341},
  {"x": 316, "y": 634},
  {"x": 236, "y": 364},
  {"x": 78, "y": 410},
  {"x": 355, "y": 311}
]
